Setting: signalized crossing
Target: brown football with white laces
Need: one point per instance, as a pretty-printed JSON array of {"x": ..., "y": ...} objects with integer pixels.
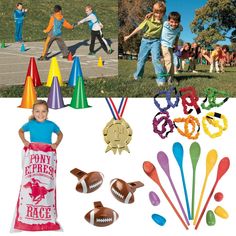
[
  {"x": 88, "y": 182},
  {"x": 124, "y": 192},
  {"x": 101, "y": 216}
]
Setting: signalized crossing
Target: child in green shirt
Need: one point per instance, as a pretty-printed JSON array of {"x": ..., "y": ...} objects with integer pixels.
[{"x": 152, "y": 28}]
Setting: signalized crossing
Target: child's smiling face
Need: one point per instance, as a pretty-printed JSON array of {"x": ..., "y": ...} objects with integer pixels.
[
  {"x": 158, "y": 15},
  {"x": 40, "y": 112},
  {"x": 173, "y": 23},
  {"x": 88, "y": 10}
]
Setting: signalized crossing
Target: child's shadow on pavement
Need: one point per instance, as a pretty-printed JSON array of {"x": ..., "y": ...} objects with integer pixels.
[{"x": 73, "y": 48}]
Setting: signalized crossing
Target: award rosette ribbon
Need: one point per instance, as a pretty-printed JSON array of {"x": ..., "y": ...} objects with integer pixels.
[{"x": 117, "y": 133}]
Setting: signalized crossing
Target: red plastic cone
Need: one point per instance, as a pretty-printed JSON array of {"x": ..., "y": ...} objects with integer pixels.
[
  {"x": 33, "y": 73},
  {"x": 70, "y": 58}
]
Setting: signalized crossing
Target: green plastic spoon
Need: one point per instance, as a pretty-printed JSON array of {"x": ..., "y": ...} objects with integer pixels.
[
  {"x": 195, "y": 151},
  {"x": 210, "y": 163}
]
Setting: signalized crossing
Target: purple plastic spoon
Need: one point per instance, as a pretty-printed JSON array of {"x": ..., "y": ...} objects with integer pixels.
[{"x": 164, "y": 163}]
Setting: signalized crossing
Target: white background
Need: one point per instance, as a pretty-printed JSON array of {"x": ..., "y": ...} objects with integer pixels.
[{"x": 83, "y": 147}]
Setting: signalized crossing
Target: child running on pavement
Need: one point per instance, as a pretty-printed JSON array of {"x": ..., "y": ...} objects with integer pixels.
[
  {"x": 54, "y": 33},
  {"x": 96, "y": 31}
]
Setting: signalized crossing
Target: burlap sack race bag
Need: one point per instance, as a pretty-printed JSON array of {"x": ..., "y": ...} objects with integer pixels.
[{"x": 36, "y": 206}]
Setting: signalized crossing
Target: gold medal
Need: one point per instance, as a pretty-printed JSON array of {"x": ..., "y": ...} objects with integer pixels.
[{"x": 117, "y": 134}]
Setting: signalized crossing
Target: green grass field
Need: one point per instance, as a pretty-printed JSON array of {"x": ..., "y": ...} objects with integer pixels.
[
  {"x": 39, "y": 13},
  {"x": 147, "y": 87}
]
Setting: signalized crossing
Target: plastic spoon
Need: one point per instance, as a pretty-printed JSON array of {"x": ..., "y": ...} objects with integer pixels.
[
  {"x": 222, "y": 169},
  {"x": 195, "y": 151},
  {"x": 164, "y": 163},
  {"x": 151, "y": 171},
  {"x": 179, "y": 153},
  {"x": 210, "y": 163}
]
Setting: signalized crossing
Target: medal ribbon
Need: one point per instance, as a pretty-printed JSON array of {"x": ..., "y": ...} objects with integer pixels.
[{"x": 117, "y": 115}]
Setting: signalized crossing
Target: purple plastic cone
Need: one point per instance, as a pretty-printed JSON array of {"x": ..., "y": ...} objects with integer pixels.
[{"x": 55, "y": 99}]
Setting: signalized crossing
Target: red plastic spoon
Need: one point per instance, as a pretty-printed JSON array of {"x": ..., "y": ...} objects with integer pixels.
[
  {"x": 151, "y": 171},
  {"x": 222, "y": 169}
]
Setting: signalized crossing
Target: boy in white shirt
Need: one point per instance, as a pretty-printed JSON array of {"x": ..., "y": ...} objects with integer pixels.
[{"x": 96, "y": 31}]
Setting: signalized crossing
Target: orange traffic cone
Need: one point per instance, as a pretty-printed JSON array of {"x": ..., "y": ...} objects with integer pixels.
[
  {"x": 29, "y": 95},
  {"x": 70, "y": 57}
]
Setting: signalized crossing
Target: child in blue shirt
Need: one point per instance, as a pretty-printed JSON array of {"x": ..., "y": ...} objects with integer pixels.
[
  {"x": 39, "y": 127},
  {"x": 169, "y": 40},
  {"x": 19, "y": 14}
]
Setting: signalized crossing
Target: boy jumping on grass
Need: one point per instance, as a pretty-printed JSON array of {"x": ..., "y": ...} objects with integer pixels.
[
  {"x": 96, "y": 31},
  {"x": 54, "y": 33}
]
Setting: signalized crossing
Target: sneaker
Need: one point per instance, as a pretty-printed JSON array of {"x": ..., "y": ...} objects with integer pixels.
[
  {"x": 176, "y": 73},
  {"x": 170, "y": 80},
  {"x": 159, "y": 84},
  {"x": 42, "y": 58},
  {"x": 110, "y": 51},
  {"x": 91, "y": 53},
  {"x": 65, "y": 57},
  {"x": 194, "y": 71}
]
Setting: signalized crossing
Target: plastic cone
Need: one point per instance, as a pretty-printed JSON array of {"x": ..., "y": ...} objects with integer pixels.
[
  {"x": 22, "y": 49},
  {"x": 79, "y": 98},
  {"x": 33, "y": 73},
  {"x": 3, "y": 44},
  {"x": 55, "y": 99},
  {"x": 75, "y": 73},
  {"x": 100, "y": 62},
  {"x": 29, "y": 95},
  {"x": 54, "y": 71},
  {"x": 70, "y": 58}
]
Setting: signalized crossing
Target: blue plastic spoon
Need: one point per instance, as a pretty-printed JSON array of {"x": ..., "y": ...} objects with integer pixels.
[{"x": 179, "y": 153}]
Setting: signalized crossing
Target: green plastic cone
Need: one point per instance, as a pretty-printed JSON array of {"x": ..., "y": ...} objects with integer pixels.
[
  {"x": 79, "y": 98},
  {"x": 3, "y": 44}
]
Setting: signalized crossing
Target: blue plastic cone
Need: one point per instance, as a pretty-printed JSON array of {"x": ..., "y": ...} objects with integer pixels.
[
  {"x": 22, "y": 49},
  {"x": 55, "y": 99},
  {"x": 75, "y": 73}
]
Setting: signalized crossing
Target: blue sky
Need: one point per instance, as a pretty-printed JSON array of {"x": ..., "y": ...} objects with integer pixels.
[{"x": 187, "y": 10}]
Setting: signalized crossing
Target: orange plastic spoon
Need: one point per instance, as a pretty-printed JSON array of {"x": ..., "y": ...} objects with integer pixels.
[{"x": 151, "y": 171}]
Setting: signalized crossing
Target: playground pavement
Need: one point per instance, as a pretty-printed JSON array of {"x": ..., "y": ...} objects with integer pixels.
[{"x": 14, "y": 63}]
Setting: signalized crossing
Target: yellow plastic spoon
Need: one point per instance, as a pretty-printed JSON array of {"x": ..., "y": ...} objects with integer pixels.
[{"x": 210, "y": 163}]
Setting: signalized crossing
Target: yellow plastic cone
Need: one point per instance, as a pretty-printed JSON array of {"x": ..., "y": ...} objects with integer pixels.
[
  {"x": 29, "y": 95},
  {"x": 54, "y": 71},
  {"x": 100, "y": 62}
]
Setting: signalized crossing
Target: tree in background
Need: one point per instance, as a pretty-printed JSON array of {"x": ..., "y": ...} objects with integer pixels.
[
  {"x": 215, "y": 21},
  {"x": 131, "y": 13}
]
